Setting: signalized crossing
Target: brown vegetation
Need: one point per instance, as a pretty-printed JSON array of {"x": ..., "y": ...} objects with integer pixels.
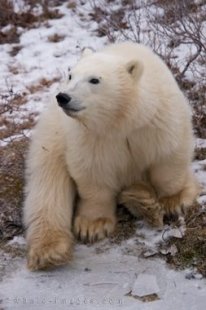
[
  {"x": 191, "y": 249},
  {"x": 11, "y": 188},
  {"x": 24, "y": 19}
]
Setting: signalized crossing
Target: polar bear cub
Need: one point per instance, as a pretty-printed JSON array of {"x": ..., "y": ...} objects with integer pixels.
[{"x": 119, "y": 130}]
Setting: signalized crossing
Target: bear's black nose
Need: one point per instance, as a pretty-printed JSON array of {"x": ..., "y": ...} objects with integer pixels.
[{"x": 63, "y": 99}]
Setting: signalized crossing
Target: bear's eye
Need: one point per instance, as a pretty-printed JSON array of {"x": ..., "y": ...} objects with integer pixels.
[
  {"x": 70, "y": 76},
  {"x": 94, "y": 81}
]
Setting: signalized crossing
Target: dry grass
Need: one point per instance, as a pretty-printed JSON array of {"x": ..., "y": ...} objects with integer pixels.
[
  {"x": 11, "y": 104},
  {"x": 72, "y": 5},
  {"x": 191, "y": 249},
  {"x": 12, "y": 154},
  {"x": 26, "y": 19},
  {"x": 11, "y": 187},
  {"x": 126, "y": 226},
  {"x": 200, "y": 153},
  {"x": 42, "y": 84},
  {"x": 56, "y": 38},
  {"x": 15, "y": 50}
]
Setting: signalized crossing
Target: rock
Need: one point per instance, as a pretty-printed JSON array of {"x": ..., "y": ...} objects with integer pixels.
[
  {"x": 174, "y": 232},
  {"x": 145, "y": 284},
  {"x": 149, "y": 252},
  {"x": 170, "y": 250}
]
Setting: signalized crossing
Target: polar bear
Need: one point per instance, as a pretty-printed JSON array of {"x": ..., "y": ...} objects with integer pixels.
[{"x": 119, "y": 130}]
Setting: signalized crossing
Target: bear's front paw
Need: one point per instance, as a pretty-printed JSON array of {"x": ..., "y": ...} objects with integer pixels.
[
  {"x": 89, "y": 230},
  {"x": 54, "y": 249}
]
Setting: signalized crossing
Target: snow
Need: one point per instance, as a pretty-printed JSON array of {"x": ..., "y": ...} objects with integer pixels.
[
  {"x": 17, "y": 240},
  {"x": 199, "y": 168},
  {"x": 110, "y": 280},
  {"x": 104, "y": 276},
  {"x": 200, "y": 143},
  {"x": 113, "y": 278}
]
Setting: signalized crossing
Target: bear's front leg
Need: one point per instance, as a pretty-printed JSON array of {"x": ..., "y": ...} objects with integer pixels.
[
  {"x": 49, "y": 199},
  {"x": 47, "y": 216},
  {"x": 95, "y": 216}
]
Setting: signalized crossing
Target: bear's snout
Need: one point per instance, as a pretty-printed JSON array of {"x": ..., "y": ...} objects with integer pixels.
[{"x": 63, "y": 99}]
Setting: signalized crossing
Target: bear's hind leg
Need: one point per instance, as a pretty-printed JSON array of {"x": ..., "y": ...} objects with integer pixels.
[
  {"x": 176, "y": 187},
  {"x": 178, "y": 203},
  {"x": 141, "y": 200}
]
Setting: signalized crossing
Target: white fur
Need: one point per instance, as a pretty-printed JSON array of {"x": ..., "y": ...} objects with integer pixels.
[{"x": 135, "y": 125}]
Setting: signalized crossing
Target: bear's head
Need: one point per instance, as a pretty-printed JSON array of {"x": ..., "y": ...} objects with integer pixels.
[{"x": 101, "y": 90}]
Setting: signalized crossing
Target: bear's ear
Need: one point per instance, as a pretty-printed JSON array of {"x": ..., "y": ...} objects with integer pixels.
[
  {"x": 87, "y": 51},
  {"x": 135, "y": 68}
]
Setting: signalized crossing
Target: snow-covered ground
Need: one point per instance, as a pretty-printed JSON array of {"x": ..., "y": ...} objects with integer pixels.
[{"x": 105, "y": 275}]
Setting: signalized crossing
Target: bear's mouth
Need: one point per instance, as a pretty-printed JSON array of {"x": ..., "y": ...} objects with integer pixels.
[{"x": 71, "y": 111}]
